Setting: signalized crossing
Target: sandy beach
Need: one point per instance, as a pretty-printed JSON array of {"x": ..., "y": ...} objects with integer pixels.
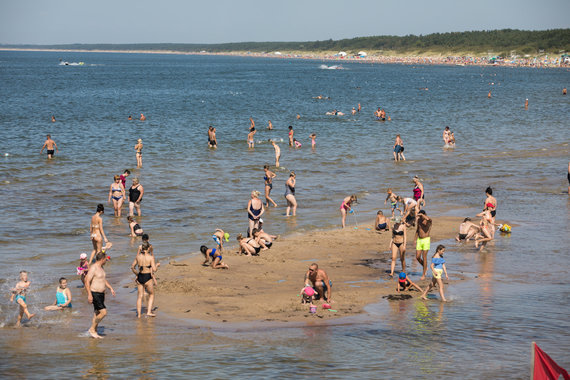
[{"x": 266, "y": 288}]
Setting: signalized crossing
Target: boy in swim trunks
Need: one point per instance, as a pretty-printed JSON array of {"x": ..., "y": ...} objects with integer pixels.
[
  {"x": 62, "y": 296},
  {"x": 49, "y": 145},
  {"x": 19, "y": 296},
  {"x": 218, "y": 238},
  {"x": 404, "y": 283},
  {"x": 423, "y": 240},
  {"x": 393, "y": 198}
]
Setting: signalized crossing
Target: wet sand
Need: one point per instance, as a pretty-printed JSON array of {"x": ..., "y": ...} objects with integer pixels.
[{"x": 266, "y": 287}]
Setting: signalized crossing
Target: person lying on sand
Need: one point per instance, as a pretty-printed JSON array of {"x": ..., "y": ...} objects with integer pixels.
[{"x": 320, "y": 282}]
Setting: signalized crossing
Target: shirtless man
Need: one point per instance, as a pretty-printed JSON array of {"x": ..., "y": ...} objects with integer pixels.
[
  {"x": 250, "y": 141},
  {"x": 277, "y": 153},
  {"x": 359, "y": 107},
  {"x": 467, "y": 230},
  {"x": 49, "y": 145},
  {"x": 52, "y": 118},
  {"x": 143, "y": 117},
  {"x": 212, "y": 142},
  {"x": 320, "y": 281},
  {"x": 95, "y": 285},
  {"x": 446, "y": 135},
  {"x": 270, "y": 125},
  {"x": 423, "y": 240},
  {"x": 399, "y": 149}
]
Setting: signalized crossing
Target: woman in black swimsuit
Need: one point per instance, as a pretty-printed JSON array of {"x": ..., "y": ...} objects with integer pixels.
[
  {"x": 398, "y": 244},
  {"x": 136, "y": 192},
  {"x": 144, "y": 279},
  {"x": 254, "y": 211}
]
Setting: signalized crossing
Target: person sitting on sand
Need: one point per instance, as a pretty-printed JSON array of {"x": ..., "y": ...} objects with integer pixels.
[
  {"x": 467, "y": 230},
  {"x": 308, "y": 295},
  {"x": 265, "y": 244},
  {"x": 320, "y": 282},
  {"x": 244, "y": 247},
  {"x": 216, "y": 257},
  {"x": 381, "y": 223},
  {"x": 19, "y": 294},
  {"x": 393, "y": 198},
  {"x": 437, "y": 268},
  {"x": 404, "y": 283},
  {"x": 62, "y": 296},
  {"x": 264, "y": 235}
]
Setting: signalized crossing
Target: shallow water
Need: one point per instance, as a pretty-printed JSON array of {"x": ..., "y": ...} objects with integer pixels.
[{"x": 515, "y": 292}]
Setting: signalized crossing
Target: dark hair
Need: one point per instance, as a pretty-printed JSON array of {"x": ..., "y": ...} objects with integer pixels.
[
  {"x": 145, "y": 246},
  {"x": 145, "y": 237},
  {"x": 489, "y": 191},
  {"x": 252, "y": 129},
  {"x": 127, "y": 171},
  {"x": 255, "y": 231},
  {"x": 100, "y": 208},
  {"x": 439, "y": 248},
  {"x": 422, "y": 212},
  {"x": 203, "y": 249},
  {"x": 62, "y": 279},
  {"x": 290, "y": 127},
  {"x": 265, "y": 166},
  {"x": 466, "y": 219},
  {"x": 100, "y": 256}
]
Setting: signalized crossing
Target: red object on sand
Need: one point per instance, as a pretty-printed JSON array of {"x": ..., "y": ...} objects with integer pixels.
[
  {"x": 544, "y": 368},
  {"x": 326, "y": 306}
]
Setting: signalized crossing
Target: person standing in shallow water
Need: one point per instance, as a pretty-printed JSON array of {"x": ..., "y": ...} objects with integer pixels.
[
  {"x": 96, "y": 231},
  {"x": 49, "y": 145},
  {"x": 95, "y": 285},
  {"x": 268, "y": 177},
  {"x": 138, "y": 150},
  {"x": 136, "y": 193},
  {"x": 399, "y": 149},
  {"x": 146, "y": 264},
  {"x": 290, "y": 194},
  {"x": 423, "y": 240},
  {"x": 117, "y": 193}
]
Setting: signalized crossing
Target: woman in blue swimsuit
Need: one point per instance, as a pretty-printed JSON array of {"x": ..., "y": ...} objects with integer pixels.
[
  {"x": 254, "y": 211},
  {"x": 117, "y": 193}
]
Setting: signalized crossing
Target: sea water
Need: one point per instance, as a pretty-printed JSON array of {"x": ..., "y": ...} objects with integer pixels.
[{"x": 515, "y": 292}]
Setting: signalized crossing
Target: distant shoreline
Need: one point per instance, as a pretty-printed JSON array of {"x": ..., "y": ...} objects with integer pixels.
[{"x": 440, "y": 59}]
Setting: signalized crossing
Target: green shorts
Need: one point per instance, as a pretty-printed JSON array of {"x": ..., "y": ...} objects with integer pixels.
[{"x": 423, "y": 244}]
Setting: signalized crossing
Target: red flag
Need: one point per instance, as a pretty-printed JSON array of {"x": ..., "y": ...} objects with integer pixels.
[{"x": 544, "y": 368}]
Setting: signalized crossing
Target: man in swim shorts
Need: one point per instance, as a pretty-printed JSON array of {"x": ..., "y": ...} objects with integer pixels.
[
  {"x": 49, "y": 145},
  {"x": 95, "y": 285},
  {"x": 423, "y": 240},
  {"x": 320, "y": 282}
]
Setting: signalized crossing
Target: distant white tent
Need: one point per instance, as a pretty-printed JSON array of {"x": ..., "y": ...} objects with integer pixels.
[
  {"x": 277, "y": 53},
  {"x": 362, "y": 53},
  {"x": 342, "y": 53}
]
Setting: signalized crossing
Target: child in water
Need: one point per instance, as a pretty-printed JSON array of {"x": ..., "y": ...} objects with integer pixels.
[
  {"x": 313, "y": 138},
  {"x": 393, "y": 198},
  {"x": 437, "y": 268},
  {"x": 216, "y": 257},
  {"x": 404, "y": 283},
  {"x": 296, "y": 143},
  {"x": 62, "y": 296},
  {"x": 19, "y": 293},
  {"x": 83, "y": 267},
  {"x": 136, "y": 229}
]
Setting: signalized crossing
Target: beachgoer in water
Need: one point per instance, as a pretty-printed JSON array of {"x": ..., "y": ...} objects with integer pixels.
[
  {"x": 404, "y": 283},
  {"x": 313, "y": 140},
  {"x": 446, "y": 135},
  {"x": 138, "y": 150},
  {"x": 216, "y": 257},
  {"x": 398, "y": 244},
  {"x": 147, "y": 266},
  {"x": 393, "y": 198},
  {"x": 134, "y": 227},
  {"x": 268, "y": 178},
  {"x": 254, "y": 211},
  {"x": 83, "y": 267},
  {"x": 244, "y": 247},
  {"x": 489, "y": 94},
  {"x": 526, "y": 104},
  {"x": 250, "y": 138},
  {"x": 564, "y": 91},
  {"x": 123, "y": 177},
  {"x": 345, "y": 207},
  {"x": 251, "y": 124},
  {"x": 52, "y": 118},
  {"x": 136, "y": 193},
  {"x": 409, "y": 214},
  {"x": 353, "y": 112},
  {"x": 437, "y": 268},
  {"x": 418, "y": 193},
  {"x": 291, "y": 133},
  {"x": 298, "y": 116},
  {"x": 130, "y": 117},
  {"x": 50, "y": 146},
  {"x": 290, "y": 194},
  {"x": 117, "y": 193},
  {"x": 277, "y": 152},
  {"x": 490, "y": 202},
  {"x": 218, "y": 237},
  {"x": 19, "y": 296},
  {"x": 62, "y": 297},
  {"x": 212, "y": 141},
  {"x": 452, "y": 140},
  {"x": 467, "y": 230},
  {"x": 381, "y": 223},
  {"x": 97, "y": 233},
  {"x": 319, "y": 280},
  {"x": 399, "y": 149},
  {"x": 95, "y": 285},
  {"x": 296, "y": 143},
  {"x": 423, "y": 240},
  {"x": 487, "y": 227},
  {"x": 269, "y": 125},
  {"x": 359, "y": 108},
  {"x": 143, "y": 117}
]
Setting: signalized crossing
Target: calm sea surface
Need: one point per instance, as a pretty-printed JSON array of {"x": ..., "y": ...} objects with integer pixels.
[{"x": 516, "y": 292}]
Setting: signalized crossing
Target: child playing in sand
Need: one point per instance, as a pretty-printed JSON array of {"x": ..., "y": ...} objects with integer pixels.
[
  {"x": 313, "y": 138},
  {"x": 437, "y": 267},
  {"x": 19, "y": 293},
  {"x": 62, "y": 296},
  {"x": 381, "y": 223},
  {"x": 393, "y": 201},
  {"x": 83, "y": 267},
  {"x": 404, "y": 283},
  {"x": 216, "y": 257},
  {"x": 308, "y": 295},
  {"x": 219, "y": 236}
]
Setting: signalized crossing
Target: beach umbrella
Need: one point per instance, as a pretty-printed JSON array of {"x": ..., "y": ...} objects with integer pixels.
[
  {"x": 342, "y": 53},
  {"x": 362, "y": 53}
]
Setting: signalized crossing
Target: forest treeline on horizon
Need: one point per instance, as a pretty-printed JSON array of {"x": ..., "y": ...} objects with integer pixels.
[{"x": 502, "y": 42}]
